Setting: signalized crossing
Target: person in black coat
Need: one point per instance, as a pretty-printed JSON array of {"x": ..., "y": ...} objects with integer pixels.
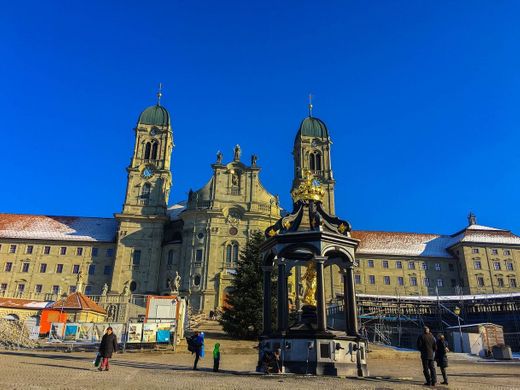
[
  {"x": 107, "y": 347},
  {"x": 427, "y": 345},
  {"x": 441, "y": 357}
]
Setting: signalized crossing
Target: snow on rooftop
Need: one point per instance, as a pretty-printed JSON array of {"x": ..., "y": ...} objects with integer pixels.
[
  {"x": 482, "y": 227},
  {"x": 174, "y": 211},
  {"x": 442, "y": 298},
  {"x": 486, "y": 235},
  {"x": 43, "y": 227},
  {"x": 402, "y": 244}
]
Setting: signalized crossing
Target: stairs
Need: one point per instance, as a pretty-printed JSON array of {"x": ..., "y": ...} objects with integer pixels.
[{"x": 213, "y": 333}]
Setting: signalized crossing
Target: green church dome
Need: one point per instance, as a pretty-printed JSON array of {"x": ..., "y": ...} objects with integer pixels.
[
  {"x": 313, "y": 127},
  {"x": 154, "y": 115}
]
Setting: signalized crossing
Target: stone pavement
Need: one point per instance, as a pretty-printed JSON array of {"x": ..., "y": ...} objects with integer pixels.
[{"x": 153, "y": 370}]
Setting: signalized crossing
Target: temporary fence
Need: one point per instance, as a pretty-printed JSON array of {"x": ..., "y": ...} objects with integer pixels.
[{"x": 85, "y": 333}]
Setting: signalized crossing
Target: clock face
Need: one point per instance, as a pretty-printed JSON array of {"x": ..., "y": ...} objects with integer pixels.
[
  {"x": 153, "y": 132},
  {"x": 147, "y": 172},
  {"x": 314, "y": 143}
]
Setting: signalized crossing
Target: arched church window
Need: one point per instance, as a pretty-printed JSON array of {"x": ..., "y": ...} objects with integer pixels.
[
  {"x": 155, "y": 146},
  {"x": 235, "y": 252},
  {"x": 133, "y": 286},
  {"x": 147, "y": 150},
  {"x": 232, "y": 251},
  {"x": 145, "y": 193},
  {"x": 229, "y": 250},
  {"x": 318, "y": 161},
  {"x": 312, "y": 162}
]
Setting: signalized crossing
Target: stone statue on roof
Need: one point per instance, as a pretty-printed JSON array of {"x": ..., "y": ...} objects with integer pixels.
[
  {"x": 254, "y": 157},
  {"x": 104, "y": 292},
  {"x": 237, "y": 153},
  {"x": 219, "y": 157},
  {"x": 79, "y": 281}
]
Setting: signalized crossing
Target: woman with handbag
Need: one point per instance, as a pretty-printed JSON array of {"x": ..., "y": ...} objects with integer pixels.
[{"x": 107, "y": 347}]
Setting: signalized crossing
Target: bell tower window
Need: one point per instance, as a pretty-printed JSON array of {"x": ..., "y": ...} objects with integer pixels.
[
  {"x": 315, "y": 161},
  {"x": 154, "y": 150},
  {"x": 312, "y": 162},
  {"x": 317, "y": 157},
  {"x": 147, "y": 150}
]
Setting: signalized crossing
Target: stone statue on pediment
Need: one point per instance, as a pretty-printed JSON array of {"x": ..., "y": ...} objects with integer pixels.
[{"x": 237, "y": 153}]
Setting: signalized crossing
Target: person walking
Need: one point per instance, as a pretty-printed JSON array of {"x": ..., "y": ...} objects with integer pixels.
[
  {"x": 198, "y": 348},
  {"x": 216, "y": 357},
  {"x": 441, "y": 357},
  {"x": 107, "y": 346},
  {"x": 427, "y": 345}
]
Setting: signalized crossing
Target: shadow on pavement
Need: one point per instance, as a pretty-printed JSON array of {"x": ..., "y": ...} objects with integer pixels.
[
  {"x": 62, "y": 366},
  {"x": 47, "y": 356}
]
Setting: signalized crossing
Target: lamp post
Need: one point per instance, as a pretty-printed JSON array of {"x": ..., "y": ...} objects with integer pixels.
[{"x": 456, "y": 310}]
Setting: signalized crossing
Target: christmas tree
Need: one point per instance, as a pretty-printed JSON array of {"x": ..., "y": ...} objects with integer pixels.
[{"x": 242, "y": 315}]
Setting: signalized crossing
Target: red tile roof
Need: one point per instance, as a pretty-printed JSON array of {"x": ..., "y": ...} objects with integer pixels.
[
  {"x": 78, "y": 301},
  {"x": 16, "y": 303}
]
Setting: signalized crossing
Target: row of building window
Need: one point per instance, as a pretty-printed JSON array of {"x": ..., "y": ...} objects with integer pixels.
[
  {"x": 29, "y": 249},
  {"x": 400, "y": 281},
  {"x": 59, "y": 268},
  {"x": 500, "y": 282},
  {"x": 477, "y": 264},
  {"x": 38, "y": 289},
  {"x": 506, "y": 252},
  {"x": 411, "y": 265}
]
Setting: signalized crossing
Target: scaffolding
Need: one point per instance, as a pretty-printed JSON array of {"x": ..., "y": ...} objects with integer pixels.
[{"x": 398, "y": 320}]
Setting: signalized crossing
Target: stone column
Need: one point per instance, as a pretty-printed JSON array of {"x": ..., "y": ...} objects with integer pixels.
[
  {"x": 351, "y": 298},
  {"x": 320, "y": 294},
  {"x": 346, "y": 301},
  {"x": 297, "y": 288},
  {"x": 286, "y": 298},
  {"x": 267, "y": 299},
  {"x": 282, "y": 295}
]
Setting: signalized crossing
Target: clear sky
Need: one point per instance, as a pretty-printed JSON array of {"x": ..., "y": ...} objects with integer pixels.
[{"x": 421, "y": 99}]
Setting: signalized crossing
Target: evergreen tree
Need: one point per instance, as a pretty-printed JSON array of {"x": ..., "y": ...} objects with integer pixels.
[{"x": 243, "y": 316}]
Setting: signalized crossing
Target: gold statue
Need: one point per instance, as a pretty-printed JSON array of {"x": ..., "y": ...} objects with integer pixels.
[
  {"x": 309, "y": 188},
  {"x": 309, "y": 296}
]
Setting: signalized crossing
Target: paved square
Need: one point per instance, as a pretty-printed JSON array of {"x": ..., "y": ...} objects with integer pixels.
[{"x": 155, "y": 370}]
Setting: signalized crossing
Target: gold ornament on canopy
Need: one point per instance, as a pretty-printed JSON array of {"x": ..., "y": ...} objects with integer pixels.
[
  {"x": 309, "y": 277},
  {"x": 309, "y": 189}
]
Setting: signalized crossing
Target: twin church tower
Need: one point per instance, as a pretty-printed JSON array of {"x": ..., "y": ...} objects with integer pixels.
[{"x": 200, "y": 239}]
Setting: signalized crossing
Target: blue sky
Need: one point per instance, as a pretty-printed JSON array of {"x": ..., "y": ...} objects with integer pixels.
[{"x": 421, "y": 99}]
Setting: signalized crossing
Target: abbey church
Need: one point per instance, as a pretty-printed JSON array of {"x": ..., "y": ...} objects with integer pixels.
[{"x": 193, "y": 246}]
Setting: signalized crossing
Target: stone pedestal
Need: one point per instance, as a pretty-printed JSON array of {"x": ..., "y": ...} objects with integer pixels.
[{"x": 334, "y": 356}]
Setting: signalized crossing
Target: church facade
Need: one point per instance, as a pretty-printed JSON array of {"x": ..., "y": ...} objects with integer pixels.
[{"x": 194, "y": 246}]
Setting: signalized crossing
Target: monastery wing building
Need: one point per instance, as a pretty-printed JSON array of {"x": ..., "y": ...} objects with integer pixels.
[{"x": 147, "y": 245}]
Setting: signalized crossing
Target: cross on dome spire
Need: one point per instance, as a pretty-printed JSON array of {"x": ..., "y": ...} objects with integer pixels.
[
  {"x": 310, "y": 105},
  {"x": 159, "y": 94}
]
